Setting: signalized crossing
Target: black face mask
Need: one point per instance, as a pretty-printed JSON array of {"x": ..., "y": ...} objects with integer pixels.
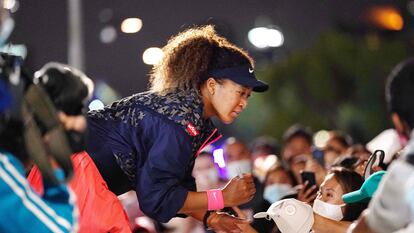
[{"x": 77, "y": 140}]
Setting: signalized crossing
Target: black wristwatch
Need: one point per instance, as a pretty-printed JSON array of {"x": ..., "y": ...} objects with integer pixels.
[{"x": 206, "y": 215}]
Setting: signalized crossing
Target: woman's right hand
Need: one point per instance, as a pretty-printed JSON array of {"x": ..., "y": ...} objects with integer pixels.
[
  {"x": 239, "y": 190},
  {"x": 307, "y": 194},
  {"x": 314, "y": 166}
]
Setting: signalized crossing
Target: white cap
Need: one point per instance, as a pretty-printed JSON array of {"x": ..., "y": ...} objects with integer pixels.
[
  {"x": 290, "y": 216},
  {"x": 388, "y": 141}
]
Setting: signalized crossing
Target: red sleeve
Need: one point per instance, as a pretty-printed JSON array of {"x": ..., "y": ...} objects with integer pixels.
[{"x": 35, "y": 180}]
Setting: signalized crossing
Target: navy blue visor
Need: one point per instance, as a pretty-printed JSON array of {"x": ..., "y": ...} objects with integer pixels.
[{"x": 243, "y": 75}]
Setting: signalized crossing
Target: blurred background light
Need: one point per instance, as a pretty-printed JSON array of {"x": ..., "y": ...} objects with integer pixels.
[
  {"x": 96, "y": 104},
  {"x": 105, "y": 93},
  {"x": 105, "y": 15},
  {"x": 12, "y": 5},
  {"x": 263, "y": 37},
  {"x": 410, "y": 7},
  {"x": 152, "y": 56},
  {"x": 218, "y": 155},
  {"x": 131, "y": 25},
  {"x": 275, "y": 38},
  {"x": 108, "y": 34},
  {"x": 320, "y": 138},
  {"x": 257, "y": 36},
  {"x": 386, "y": 17}
]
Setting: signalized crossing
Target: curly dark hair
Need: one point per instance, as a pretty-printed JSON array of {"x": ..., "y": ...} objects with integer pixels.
[{"x": 190, "y": 56}]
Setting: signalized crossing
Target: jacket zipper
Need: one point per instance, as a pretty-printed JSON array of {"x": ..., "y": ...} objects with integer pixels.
[{"x": 207, "y": 142}]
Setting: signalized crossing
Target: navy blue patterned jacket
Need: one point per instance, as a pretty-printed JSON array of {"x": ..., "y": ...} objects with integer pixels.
[{"x": 148, "y": 142}]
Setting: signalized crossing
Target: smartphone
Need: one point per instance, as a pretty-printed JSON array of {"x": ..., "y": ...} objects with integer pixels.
[{"x": 308, "y": 176}]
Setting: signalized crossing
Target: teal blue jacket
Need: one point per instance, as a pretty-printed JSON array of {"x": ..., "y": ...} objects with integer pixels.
[{"x": 22, "y": 210}]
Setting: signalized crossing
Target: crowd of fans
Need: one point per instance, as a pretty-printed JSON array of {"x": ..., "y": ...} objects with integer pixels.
[{"x": 338, "y": 167}]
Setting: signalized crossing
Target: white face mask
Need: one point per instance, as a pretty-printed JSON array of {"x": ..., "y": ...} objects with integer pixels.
[
  {"x": 233, "y": 168},
  {"x": 275, "y": 192},
  {"x": 328, "y": 210},
  {"x": 207, "y": 179}
]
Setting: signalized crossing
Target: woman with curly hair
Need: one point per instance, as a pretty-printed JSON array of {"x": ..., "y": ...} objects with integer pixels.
[{"x": 148, "y": 142}]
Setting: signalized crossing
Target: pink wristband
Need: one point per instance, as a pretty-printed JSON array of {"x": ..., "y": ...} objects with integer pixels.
[{"x": 215, "y": 199}]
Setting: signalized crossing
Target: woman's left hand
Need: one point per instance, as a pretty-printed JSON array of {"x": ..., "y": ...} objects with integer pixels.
[
  {"x": 246, "y": 228},
  {"x": 222, "y": 222},
  {"x": 325, "y": 225}
]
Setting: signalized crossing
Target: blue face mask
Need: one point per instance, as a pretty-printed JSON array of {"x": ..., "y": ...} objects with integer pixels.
[
  {"x": 410, "y": 198},
  {"x": 275, "y": 192}
]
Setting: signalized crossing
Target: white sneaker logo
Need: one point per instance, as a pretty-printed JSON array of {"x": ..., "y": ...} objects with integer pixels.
[{"x": 250, "y": 70}]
